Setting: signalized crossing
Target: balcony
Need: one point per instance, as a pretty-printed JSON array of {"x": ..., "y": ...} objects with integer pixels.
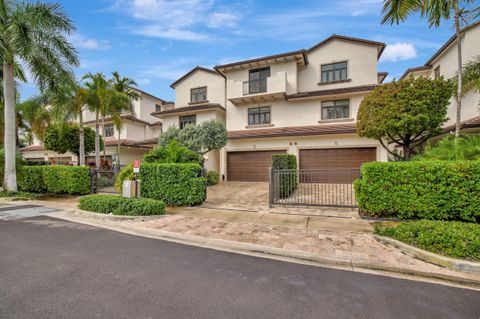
[{"x": 258, "y": 91}]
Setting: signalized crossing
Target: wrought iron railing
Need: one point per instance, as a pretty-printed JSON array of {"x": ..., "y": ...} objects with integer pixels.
[{"x": 254, "y": 86}]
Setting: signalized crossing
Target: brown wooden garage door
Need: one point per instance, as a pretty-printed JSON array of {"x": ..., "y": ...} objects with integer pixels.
[
  {"x": 249, "y": 166},
  {"x": 338, "y": 165}
]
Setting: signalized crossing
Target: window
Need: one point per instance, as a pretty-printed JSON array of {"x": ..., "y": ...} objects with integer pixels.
[
  {"x": 198, "y": 94},
  {"x": 109, "y": 129},
  {"x": 334, "y": 72},
  {"x": 335, "y": 109},
  {"x": 158, "y": 107},
  {"x": 437, "y": 72},
  {"x": 257, "y": 80},
  {"x": 186, "y": 120},
  {"x": 259, "y": 115}
]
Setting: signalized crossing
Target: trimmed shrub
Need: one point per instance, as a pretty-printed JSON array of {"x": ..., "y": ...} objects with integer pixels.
[
  {"x": 288, "y": 182},
  {"x": 441, "y": 190},
  {"x": 173, "y": 153},
  {"x": 74, "y": 180},
  {"x": 116, "y": 205},
  {"x": 453, "y": 239},
  {"x": 125, "y": 173},
  {"x": 175, "y": 184},
  {"x": 212, "y": 178}
]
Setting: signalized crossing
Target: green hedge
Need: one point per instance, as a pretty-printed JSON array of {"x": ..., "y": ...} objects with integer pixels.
[
  {"x": 454, "y": 239},
  {"x": 212, "y": 178},
  {"x": 440, "y": 190},
  {"x": 116, "y": 205},
  {"x": 176, "y": 184},
  {"x": 288, "y": 182},
  {"x": 73, "y": 180}
]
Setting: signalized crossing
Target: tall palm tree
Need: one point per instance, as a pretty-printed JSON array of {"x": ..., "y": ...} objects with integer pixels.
[
  {"x": 471, "y": 75},
  {"x": 68, "y": 103},
  {"x": 35, "y": 115},
  {"x": 97, "y": 99},
  {"x": 34, "y": 33},
  {"x": 396, "y": 11},
  {"x": 124, "y": 86}
]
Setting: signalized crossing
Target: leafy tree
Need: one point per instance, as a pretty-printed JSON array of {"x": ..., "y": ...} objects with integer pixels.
[
  {"x": 202, "y": 138},
  {"x": 62, "y": 138},
  {"x": 451, "y": 149},
  {"x": 405, "y": 113},
  {"x": 35, "y": 33},
  {"x": 396, "y": 11}
]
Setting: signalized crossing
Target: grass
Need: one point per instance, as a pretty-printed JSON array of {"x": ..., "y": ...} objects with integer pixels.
[
  {"x": 18, "y": 195},
  {"x": 447, "y": 238}
]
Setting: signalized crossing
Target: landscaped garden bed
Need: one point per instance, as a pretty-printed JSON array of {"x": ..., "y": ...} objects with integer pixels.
[
  {"x": 447, "y": 238},
  {"x": 116, "y": 205}
]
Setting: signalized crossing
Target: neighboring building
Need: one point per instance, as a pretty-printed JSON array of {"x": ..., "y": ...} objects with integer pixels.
[
  {"x": 303, "y": 102},
  {"x": 139, "y": 133},
  {"x": 444, "y": 63}
]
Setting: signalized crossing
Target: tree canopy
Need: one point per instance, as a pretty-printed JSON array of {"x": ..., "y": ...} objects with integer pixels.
[
  {"x": 404, "y": 113},
  {"x": 62, "y": 138},
  {"x": 202, "y": 138}
]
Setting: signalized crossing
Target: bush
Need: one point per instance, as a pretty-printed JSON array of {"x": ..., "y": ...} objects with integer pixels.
[
  {"x": 426, "y": 190},
  {"x": 288, "y": 183},
  {"x": 173, "y": 153},
  {"x": 454, "y": 239},
  {"x": 212, "y": 178},
  {"x": 116, "y": 205},
  {"x": 175, "y": 184},
  {"x": 449, "y": 149},
  {"x": 55, "y": 179},
  {"x": 125, "y": 173},
  {"x": 18, "y": 194}
]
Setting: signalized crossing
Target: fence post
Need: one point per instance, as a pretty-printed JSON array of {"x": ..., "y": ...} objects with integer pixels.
[
  {"x": 93, "y": 177},
  {"x": 270, "y": 187}
]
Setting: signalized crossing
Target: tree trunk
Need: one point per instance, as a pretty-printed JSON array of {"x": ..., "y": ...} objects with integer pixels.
[
  {"x": 118, "y": 149},
  {"x": 10, "y": 175},
  {"x": 459, "y": 73},
  {"x": 103, "y": 135},
  {"x": 82, "y": 141},
  {"x": 97, "y": 141}
]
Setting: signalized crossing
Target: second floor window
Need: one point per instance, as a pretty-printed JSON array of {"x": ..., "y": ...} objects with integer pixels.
[
  {"x": 334, "y": 72},
  {"x": 259, "y": 115},
  {"x": 257, "y": 80},
  {"x": 198, "y": 94},
  {"x": 158, "y": 107},
  {"x": 436, "y": 73},
  {"x": 109, "y": 130},
  {"x": 339, "y": 109},
  {"x": 187, "y": 120}
]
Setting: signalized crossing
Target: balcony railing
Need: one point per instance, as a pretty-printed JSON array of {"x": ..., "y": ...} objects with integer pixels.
[{"x": 255, "y": 86}]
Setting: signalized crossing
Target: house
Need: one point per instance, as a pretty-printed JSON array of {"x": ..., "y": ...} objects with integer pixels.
[
  {"x": 444, "y": 63},
  {"x": 139, "y": 133},
  {"x": 303, "y": 102}
]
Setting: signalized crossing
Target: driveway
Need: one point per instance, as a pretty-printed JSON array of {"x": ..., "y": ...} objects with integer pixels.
[{"x": 57, "y": 269}]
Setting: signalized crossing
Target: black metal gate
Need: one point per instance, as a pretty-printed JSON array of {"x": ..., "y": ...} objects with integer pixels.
[
  {"x": 103, "y": 180},
  {"x": 313, "y": 187}
]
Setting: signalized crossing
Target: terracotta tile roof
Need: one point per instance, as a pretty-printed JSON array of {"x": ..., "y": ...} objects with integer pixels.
[
  {"x": 473, "y": 122},
  {"x": 323, "y": 129},
  {"x": 190, "y": 108},
  {"x": 125, "y": 142},
  {"x": 124, "y": 116},
  {"x": 353, "y": 89},
  {"x": 31, "y": 148},
  {"x": 197, "y": 68},
  {"x": 153, "y": 140}
]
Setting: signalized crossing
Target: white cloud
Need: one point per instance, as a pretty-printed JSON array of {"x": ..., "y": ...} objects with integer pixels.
[
  {"x": 399, "y": 51},
  {"x": 83, "y": 42},
  {"x": 177, "y": 19},
  {"x": 172, "y": 70}
]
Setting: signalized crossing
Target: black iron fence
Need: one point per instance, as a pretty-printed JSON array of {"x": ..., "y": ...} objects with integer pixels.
[
  {"x": 103, "y": 180},
  {"x": 313, "y": 187}
]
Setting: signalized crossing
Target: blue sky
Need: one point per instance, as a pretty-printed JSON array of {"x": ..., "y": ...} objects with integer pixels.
[{"x": 156, "y": 41}]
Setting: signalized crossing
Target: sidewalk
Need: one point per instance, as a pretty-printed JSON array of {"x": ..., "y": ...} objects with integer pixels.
[{"x": 343, "y": 242}]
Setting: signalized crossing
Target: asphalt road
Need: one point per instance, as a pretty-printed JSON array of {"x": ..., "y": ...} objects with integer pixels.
[{"x": 56, "y": 269}]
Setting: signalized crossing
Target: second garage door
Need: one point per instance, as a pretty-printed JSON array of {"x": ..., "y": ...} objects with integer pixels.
[
  {"x": 341, "y": 165},
  {"x": 251, "y": 166}
]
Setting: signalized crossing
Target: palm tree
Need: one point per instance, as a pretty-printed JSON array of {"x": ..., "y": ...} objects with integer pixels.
[
  {"x": 34, "y": 33},
  {"x": 69, "y": 103},
  {"x": 396, "y": 11},
  {"x": 97, "y": 99},
  {"x": 471, "y": 75},
  {"x": 124, "y": 86},
  {"x": 34, "y": 115}
]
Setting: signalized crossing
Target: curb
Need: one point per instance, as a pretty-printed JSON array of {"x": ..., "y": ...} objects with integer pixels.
[
  {"x": 109, "y": 217},
  {"x": 259, "y": 250},
  {"x": 447, "y": 262}
]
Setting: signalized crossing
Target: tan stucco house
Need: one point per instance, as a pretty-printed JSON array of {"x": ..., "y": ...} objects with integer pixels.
[
  {"x": 444, "y": 63},
  {"x": 138, "y": 135},
  {"x": 303, "y": 102}
]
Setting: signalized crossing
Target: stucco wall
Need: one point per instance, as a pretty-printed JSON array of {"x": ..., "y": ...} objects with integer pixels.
[
  {"x": 215, "y": 84},
  {"x": 173, "y": 120}
]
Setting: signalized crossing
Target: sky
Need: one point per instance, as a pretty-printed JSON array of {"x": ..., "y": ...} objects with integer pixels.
[{"x": 157, "y": 41}]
